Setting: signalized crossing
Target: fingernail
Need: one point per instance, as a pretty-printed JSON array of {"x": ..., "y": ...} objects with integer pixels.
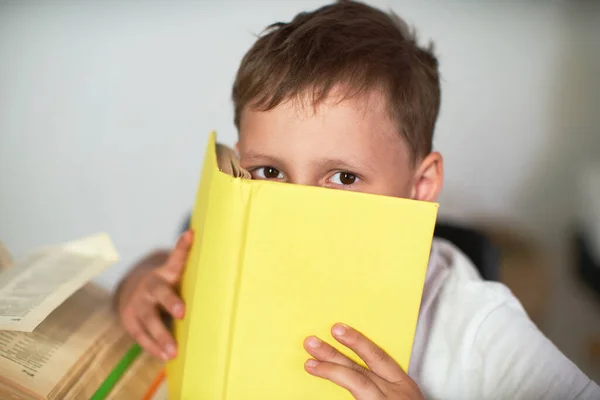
[
  {"x": 164, "y": 356},
  {"x": 170, "y": 350},
  {"x": 177, "y": 310},
  {"x": 339, "y": 330},
  {"x": 313, "y": 342},
  {"x": 312, "y": 363}
]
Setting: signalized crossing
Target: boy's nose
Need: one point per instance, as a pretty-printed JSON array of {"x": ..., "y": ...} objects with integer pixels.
[
  {"x": 303, "y": 178},
  {"x": 304, "y": 182}
]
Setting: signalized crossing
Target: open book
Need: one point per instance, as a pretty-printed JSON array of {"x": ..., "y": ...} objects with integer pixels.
[
  {"x": 273, "y": 263},
  {"x": 35, "y": 286},
  {"x": 59, "y": 336},
  {"x": 46, "y": 363}
]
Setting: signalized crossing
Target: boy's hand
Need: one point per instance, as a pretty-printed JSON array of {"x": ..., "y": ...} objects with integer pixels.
[
  {"x": 148, "y": 291},
  {"x": 384, "y": 379}
]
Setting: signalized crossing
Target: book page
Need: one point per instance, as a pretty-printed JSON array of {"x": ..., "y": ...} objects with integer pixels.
[
  {"x": 82, "y": 381},
  {"x": 36, "y": 362},
  {"x": 34, "y": 287},
  {"x": 229, "y": 162}
]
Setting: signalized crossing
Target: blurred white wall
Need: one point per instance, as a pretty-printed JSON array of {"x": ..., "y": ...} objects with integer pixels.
[{"x": 105, "y": 109}]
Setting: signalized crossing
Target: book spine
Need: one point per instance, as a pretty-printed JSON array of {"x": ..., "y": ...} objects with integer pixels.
[
  {"x": 175, "y": 369},
  {"x": 215, "y": 288},
  {"x": 239, "y": 273}
]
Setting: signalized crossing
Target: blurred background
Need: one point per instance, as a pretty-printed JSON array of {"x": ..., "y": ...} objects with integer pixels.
[{"x": 105, "y": 108}]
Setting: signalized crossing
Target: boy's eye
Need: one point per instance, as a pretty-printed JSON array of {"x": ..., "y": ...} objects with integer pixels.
[
  {"x": 268, "y": 173},
  {"x": 344, "y": 178}
]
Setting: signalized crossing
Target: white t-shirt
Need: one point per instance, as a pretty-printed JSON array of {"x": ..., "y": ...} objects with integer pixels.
[{"x": 475, "y": 341}]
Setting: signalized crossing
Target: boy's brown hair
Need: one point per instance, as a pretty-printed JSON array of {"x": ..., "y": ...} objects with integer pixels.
[{"x": 348, "y": 45}]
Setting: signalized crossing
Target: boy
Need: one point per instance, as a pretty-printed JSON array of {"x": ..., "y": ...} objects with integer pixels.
[{"x": 344, "y": 98}]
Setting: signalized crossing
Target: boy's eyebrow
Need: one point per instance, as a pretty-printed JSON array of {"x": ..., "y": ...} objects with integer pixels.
[
  {"x": 258, "y": 157},
  {"x": 338, "y": 163},
  {"x": 330, "y": 163}
]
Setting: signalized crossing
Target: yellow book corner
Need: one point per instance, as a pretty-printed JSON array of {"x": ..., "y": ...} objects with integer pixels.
[{"x": 273, "y": 263}]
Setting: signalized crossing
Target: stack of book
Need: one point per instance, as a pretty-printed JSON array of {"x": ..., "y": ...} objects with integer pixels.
[
  {"x": 79, "y": 351},
  {"x": 59, "y": 335}
]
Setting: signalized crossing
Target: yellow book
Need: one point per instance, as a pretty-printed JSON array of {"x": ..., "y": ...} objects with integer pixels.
[{"x": 273, "y": 263}]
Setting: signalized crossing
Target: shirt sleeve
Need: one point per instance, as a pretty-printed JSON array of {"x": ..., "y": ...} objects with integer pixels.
[{"x": 518, "y": 362}]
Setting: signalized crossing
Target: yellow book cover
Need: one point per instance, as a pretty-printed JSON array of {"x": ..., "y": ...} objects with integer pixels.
[{"x": 273, "y": 263}]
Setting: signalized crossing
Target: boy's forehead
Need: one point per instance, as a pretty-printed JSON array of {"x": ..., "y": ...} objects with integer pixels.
[
  {"x": 357, "y": 127},
  {"x": 340, "y": 107},
  {"x": 360, "y": 99}
]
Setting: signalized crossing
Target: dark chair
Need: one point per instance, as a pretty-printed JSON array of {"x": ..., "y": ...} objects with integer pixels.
[
  {"x": 588, "y": 268},
  {"x": 475, "y": 245}
]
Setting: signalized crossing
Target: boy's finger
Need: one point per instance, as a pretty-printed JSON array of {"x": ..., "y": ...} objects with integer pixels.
[
  {"x": 168, "y": 299},
  {"x": 358, "y": 384},
  {"x": 137, "y": 331},
  {"x": 172, "y": 269},
  {"x": 323, "y": 351},
  {"x": 160, "y": 335},
  {"x": 376, "y": 358}
]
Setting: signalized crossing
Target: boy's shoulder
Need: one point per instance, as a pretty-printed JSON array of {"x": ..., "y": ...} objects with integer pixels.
[
  {"x": 463, "y": 304},
  {"x": 461, "y": 283},
  {"x": 477, "y": 341},
  {"x": 456, "y": 303}
]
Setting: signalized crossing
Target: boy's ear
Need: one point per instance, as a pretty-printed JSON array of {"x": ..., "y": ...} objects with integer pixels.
[{"x": 429, "y": 178}]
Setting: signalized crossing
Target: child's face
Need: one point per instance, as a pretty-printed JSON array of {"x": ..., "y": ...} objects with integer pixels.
[{"x": 350, "y": 145}]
